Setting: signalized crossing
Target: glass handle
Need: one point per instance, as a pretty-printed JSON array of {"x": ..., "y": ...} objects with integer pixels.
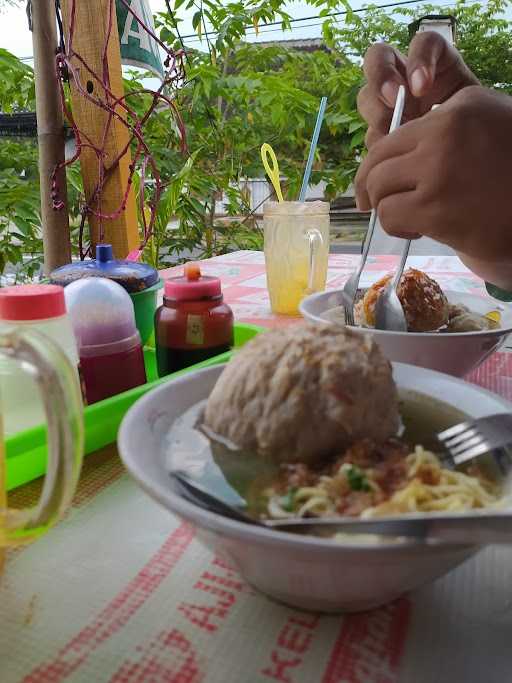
[
  {"x": 315, "y": 243},
  {"x": 60, "y": 391}
]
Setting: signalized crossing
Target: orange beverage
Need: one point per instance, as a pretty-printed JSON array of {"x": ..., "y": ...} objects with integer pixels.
[{"x": 296, "y": 252}]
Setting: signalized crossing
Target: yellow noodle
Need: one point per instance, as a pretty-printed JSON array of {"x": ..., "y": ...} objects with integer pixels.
[{"x": 455, "y": 491}]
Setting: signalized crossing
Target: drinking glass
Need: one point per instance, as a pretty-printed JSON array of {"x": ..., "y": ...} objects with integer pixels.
[{"x": 296, "y": 252}]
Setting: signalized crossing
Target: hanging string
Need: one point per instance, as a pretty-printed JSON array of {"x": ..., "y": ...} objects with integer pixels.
[{"x": 69, "y": 61}]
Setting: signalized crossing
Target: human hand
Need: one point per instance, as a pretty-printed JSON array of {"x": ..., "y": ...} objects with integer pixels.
[
  {"x": 447, "y": 175},
  {"x": 431, "y": 73}
]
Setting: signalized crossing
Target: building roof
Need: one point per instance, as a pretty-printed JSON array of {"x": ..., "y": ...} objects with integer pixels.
[
  {"x": 20, "y": 125},
  {"x": 302, "y": 44}
]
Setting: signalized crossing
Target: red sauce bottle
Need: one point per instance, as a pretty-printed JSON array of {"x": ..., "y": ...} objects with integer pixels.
[
  {"x": 112, "y": 372},
  {"x": 194, "y": 323},
  {"x": 109, "y": 345}
]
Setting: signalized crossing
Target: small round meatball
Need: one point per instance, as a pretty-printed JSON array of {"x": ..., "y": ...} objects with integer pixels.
[
  {"x": 454, "y": 310},
  {"x": 305, "y": 393},
  {"x": 425, "y": 305},
  {"x": 461, "y": 319},
  {"x": 468, "y": 322}
]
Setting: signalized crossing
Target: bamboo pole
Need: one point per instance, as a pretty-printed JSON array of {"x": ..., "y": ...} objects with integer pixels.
[
  {"x": 50, "y": 135},
  {"x": 89, "y": 41}
]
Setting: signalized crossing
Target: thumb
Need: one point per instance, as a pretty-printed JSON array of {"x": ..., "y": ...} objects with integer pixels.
[{"x": 427, "y": 49}]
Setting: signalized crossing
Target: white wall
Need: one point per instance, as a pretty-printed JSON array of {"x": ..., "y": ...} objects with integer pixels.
[{"x": 260, "y": 189}]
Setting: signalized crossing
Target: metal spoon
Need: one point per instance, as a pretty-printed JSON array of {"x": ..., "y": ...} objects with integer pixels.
[
  {"x": 197, "y": 494},
  {"x": 351, "y": 287},
  {"x": 469, "y": 528},
  {"x": 389, "y": 312}
]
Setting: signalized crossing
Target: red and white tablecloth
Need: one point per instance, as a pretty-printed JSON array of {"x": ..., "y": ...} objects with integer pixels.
[{"x": 122, "y": 592}]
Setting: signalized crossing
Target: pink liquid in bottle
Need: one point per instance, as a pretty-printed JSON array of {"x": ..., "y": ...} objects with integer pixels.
[
  {"x": 109, "y": 346},
  {"x": 112, "y": 373}
]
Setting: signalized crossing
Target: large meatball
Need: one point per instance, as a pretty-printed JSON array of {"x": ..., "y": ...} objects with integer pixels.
[
  {"x": 425, "y": 305},
  {"x": 303, "y": 393}
]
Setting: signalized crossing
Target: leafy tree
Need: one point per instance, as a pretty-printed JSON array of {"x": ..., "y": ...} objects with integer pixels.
[
  {"x": 238, "y": 95},
  {"x": 17, "y": 91},
  {"x": 20, "y": 232},
  {"x": 484, "y": 35}
]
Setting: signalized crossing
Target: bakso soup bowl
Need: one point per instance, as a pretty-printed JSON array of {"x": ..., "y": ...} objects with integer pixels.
[
  {"x": 455, "y": 353},
  {"x": 302, "y": 571}
]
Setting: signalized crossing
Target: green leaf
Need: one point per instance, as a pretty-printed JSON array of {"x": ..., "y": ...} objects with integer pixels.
[
  {"x": 356, "y": 479},
  {"x": 357, "y": 139},
  {"x": 196, "y": 21},
  {"x": 356, "y": 125}
]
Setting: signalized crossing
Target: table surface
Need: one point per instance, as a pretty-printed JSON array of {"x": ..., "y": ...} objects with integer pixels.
[{"x": 121, "y": 591}]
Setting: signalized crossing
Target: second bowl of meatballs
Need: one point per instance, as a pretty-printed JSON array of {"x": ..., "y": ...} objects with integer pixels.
[{"x": 451, "y": 332}]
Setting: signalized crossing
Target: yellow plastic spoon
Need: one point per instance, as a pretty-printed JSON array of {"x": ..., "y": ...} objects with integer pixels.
[{"x": 272, "y": 171}]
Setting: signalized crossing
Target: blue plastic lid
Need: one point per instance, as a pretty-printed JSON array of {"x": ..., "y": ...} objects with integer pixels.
[{"x": 134, "y": 277}]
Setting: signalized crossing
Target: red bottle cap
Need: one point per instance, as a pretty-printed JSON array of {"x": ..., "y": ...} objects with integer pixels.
[
  {"x": 192, "y": 285},
  {"x": 32, "y": 302}
]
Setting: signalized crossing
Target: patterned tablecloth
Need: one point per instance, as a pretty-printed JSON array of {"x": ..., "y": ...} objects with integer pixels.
[{"x": 122, "y": 592}]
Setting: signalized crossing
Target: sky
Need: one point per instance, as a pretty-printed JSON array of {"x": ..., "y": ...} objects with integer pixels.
[{"x": 15, "y": 36}]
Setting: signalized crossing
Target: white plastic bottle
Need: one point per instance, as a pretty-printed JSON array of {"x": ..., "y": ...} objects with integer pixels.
[{"x": 40, "y": 307}]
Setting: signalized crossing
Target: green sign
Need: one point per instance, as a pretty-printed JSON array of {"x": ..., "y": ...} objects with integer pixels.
[{"x": 138, "y": 48}]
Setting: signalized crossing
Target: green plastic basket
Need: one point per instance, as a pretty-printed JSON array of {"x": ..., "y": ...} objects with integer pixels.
[{"x": 26, "y": 451}]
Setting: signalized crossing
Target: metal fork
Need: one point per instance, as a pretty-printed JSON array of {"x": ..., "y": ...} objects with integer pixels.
[
  {"x": 473, "y": 438},
  {"x": 352, "y": 285}
]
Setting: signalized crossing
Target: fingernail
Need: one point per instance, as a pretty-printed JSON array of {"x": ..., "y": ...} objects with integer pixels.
[
  {"x": 419, "y": 80},
  {"x": 389, "y": 92}
]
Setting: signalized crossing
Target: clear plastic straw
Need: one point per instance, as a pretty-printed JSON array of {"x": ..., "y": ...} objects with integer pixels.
[{"x": 312, "y": 149}]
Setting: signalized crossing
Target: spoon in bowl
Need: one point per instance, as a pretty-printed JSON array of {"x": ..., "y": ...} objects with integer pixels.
[
  {"x": 467, "y": 528},
  {"x": 351, "y": 287},
  {"x": 389, "y": 312},
  {"x": 197, "y": 494}
]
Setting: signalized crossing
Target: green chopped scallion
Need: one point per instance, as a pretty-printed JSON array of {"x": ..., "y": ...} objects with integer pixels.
[
  {"x": 356, "y": 479},
  {"x": 287, "y": 502}
]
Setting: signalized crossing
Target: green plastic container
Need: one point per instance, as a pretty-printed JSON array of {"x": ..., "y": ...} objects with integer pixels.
[
  {"x": 140, "y": 280},
  {"x": 144, "y": 304},
  {"x": 26, "y": 451}
]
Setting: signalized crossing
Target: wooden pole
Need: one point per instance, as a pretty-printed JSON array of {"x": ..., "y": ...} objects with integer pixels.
[
  {"x": 89, "y": 40},
  {"x": 50, "y": 135}
]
